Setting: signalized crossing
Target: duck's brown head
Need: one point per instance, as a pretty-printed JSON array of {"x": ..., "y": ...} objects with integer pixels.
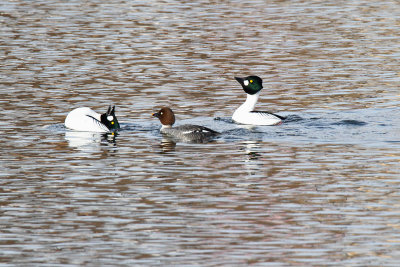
[{"x": 166, "y": 116}]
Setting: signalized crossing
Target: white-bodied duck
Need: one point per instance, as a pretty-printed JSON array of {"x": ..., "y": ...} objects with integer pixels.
[
  {"x": 246, "y": 114},
  {"x": 85, "y": 119}
]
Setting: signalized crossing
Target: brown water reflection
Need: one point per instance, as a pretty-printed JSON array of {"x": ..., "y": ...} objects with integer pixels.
[{"x": 318, "y": 190}]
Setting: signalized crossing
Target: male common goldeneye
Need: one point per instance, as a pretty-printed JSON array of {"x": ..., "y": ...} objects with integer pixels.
[
  {"x": 246, "y": 114},
  {"x": 185, "y": 132},
  {"x": 85, "y": 119}
]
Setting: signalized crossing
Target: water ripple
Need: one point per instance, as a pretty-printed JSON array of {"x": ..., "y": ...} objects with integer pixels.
[{"x": 320, "y": 189}]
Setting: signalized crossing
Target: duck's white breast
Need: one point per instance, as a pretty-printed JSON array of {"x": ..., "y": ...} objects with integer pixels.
[
  {"x": 255, "y": 118},
  {"x": 85, "y": 119}
]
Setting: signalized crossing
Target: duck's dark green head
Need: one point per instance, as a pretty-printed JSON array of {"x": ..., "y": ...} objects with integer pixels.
[
  {"x": 251, "y": 84},
  {"x": 109, "y": 119}
]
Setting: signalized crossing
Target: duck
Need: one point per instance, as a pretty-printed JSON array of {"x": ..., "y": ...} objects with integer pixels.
[
  {"x": 85, "y": 119},
  {"x": 186, "y": 132},
  {"x": 246, "y": 114}
]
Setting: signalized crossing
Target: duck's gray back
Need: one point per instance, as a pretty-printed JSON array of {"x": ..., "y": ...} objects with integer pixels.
[{"x": 190, "y": 132}]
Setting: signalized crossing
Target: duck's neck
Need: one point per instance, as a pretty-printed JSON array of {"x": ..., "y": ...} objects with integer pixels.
[{"x": 250, "y": 102}]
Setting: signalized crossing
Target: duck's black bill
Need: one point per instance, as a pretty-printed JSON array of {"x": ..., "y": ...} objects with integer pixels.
[{"x": 240, "y": 80}]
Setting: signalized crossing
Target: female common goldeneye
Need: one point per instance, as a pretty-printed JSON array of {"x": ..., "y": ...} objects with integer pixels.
[
  {"x": 246, "y": 114},
  {"x": 85, "y": 119},
  {"x": 185, "y": 132}
]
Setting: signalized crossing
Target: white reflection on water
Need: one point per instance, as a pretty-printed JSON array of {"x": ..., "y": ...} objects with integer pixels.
[{"x": 88, "y": 141}]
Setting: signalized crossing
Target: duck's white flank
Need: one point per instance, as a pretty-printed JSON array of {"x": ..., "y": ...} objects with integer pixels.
[
  {"x": 245, "y": 115},
  {"x": 85, "y": 119}
]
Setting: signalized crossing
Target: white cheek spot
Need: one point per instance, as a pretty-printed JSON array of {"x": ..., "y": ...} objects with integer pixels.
[
  {"x": 246, "y": 82},
  {"x": 110, "y": 118}
]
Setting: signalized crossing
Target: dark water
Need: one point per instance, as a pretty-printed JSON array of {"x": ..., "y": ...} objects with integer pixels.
[{"x": 321, "y": 189}]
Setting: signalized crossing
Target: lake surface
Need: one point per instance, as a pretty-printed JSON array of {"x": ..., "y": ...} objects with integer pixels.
[{"x": 322, "y": 189}]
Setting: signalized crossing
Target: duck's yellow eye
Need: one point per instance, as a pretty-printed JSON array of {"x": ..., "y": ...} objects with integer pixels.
[
  {"x": 251, "y": 81},
  {"x": 112, "y": 123}
]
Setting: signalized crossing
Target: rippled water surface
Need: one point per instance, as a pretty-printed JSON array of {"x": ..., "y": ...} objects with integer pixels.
[{"x": 322, "y": 189}]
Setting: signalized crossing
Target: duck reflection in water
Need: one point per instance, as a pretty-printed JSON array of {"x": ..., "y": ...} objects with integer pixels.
[
  {"x": 251, "y": 150},
  {"x": 167, "y": 145},
  {"x": 253, "y": 158},
  {"x": 90, "y": 140}
]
